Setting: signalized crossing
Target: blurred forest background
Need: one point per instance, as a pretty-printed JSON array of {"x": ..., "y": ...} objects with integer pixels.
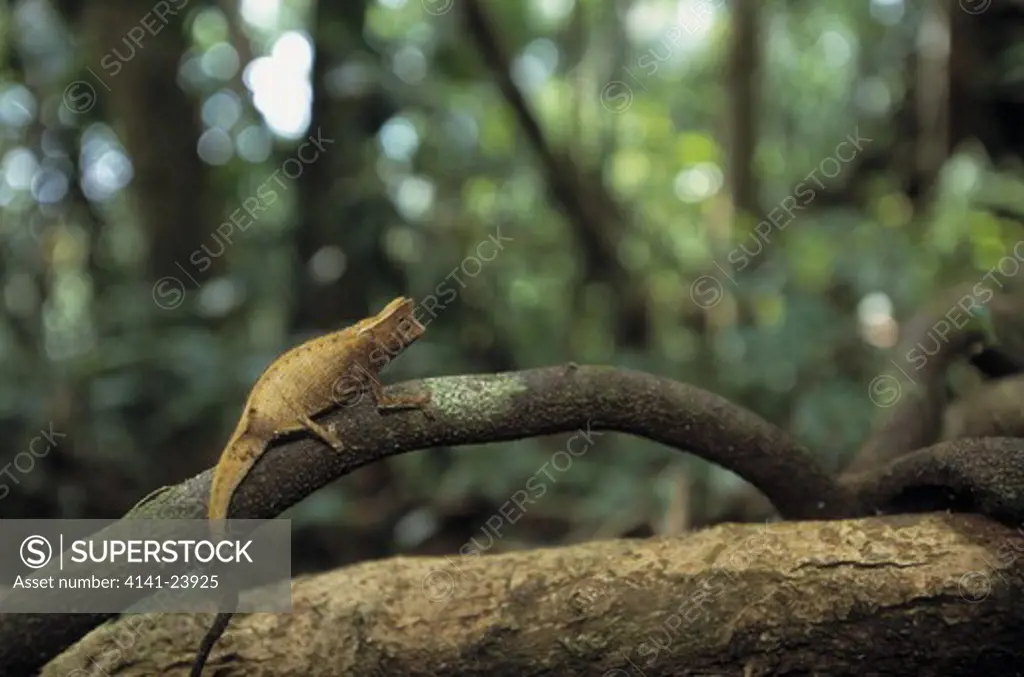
[{"x": 168, "y": 227}]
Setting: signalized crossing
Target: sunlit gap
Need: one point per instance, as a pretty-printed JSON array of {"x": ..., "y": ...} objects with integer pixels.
[
  {"x": 685, "y": 25},
  {"x": 876, "y": 322},
  {"x": 280, "y": 83}
]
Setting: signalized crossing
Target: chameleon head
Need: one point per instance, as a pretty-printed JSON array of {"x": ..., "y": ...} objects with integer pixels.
[
  {"x": 395, "y": 324},
  {"x": 372, "y": 343}
]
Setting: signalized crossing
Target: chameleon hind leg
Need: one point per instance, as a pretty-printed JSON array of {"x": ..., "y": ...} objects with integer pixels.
[
  {"x": 303, "y": 422},
  {"x": 323, "y": 433}
]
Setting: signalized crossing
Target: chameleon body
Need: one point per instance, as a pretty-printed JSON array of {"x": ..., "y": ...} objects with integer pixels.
[
  {"x": 326, "y": 372},
  {"x": 308, "y": 380}
]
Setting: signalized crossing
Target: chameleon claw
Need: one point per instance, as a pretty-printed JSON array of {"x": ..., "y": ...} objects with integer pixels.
[{"x": 335, "y": 431}]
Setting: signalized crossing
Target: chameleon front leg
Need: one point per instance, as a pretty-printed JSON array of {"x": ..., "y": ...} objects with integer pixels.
[{"x": 384, "y": 402}]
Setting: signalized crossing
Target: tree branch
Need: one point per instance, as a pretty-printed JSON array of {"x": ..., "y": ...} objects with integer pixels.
[
  {"x": 984, "y": 475},
  {"x": 829, "y": 597},
  {"x": 918, "y": 381},
  {"x": 484, "y": 408}
]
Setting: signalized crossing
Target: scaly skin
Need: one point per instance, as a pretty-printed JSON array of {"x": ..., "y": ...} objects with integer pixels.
[
  {"x": 306, "y": 381},
  {"x": 325, "y": 372}
]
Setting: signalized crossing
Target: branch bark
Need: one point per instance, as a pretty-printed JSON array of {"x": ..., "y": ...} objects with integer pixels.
[
  {"x": 982, "y": 475},
  {"x": 922, "y": 595},
  {"x": 915, "y": 389},
  {"x": 916, "y": 385},
  {"x": 484, "y": 408}
]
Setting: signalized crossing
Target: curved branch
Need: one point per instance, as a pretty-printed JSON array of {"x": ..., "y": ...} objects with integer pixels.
[
  {"x": 915, "y": 387},
  {"x": 917, "y": 382},
  {"x": 485, "y": 408},
  {"x": 983, "y": 475}
]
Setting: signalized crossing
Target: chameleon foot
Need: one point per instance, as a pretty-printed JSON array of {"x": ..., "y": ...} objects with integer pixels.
[{"x": 328, "y": 436}]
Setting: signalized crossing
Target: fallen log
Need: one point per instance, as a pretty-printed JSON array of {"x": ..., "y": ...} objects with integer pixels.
[{"x": 927, "y": 594}]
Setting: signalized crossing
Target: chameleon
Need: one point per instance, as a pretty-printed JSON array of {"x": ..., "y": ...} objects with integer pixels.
[{"x": 325, "y": 372}]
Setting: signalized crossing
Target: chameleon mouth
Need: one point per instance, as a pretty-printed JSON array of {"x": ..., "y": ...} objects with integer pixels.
[
  {"x": 416, "y": 324},
  {"x": 406, "y": 309}
]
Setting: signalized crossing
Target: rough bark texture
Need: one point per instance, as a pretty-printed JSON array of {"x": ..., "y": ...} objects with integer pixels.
[
  {"x": 982, "y": 475},
  {"x": 930, "y": 595},
  {"x": 484, "y": 408}
]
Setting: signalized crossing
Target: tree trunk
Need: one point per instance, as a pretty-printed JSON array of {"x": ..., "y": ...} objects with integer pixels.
[{"x": 137, "y": 83}]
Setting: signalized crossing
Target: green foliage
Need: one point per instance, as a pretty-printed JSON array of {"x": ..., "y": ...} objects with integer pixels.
[{"x": 405, "y": 206}]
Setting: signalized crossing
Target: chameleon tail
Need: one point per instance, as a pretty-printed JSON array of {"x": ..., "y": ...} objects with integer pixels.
[
  {"x": 220, "y": 624},
  {"x": 238, "y": 459},
  {"x": 241, "y": 455}
]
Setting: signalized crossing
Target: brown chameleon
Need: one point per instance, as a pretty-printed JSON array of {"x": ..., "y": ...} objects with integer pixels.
[{"x": 323, "y": 373}]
